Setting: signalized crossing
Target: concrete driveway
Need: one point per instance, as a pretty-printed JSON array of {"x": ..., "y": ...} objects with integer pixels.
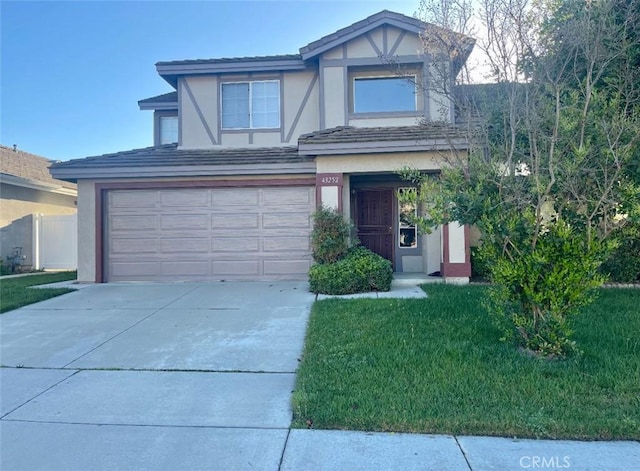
[{"x": 152, "y": 376}]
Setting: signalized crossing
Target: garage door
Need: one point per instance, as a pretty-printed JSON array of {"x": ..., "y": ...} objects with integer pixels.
[{"x": 209, "y": 234}]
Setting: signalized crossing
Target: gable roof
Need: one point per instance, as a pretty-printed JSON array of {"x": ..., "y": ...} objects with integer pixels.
[
  {"x": 25, "y": 169},
  {"x": 385, "y": 17},
  {"x": 169, "y": 161}
]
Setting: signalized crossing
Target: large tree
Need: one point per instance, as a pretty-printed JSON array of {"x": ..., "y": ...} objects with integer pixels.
[{"x": 553, "y": 170}]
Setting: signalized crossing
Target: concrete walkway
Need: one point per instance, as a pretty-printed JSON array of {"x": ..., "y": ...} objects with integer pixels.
[{"x": 199, "y": 376}]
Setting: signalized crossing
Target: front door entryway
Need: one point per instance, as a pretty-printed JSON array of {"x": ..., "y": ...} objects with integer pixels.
[{"x": 374, "y": 220}]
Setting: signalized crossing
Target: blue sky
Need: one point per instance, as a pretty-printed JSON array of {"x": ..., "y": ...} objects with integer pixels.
[{"x": 73, "y": 71}]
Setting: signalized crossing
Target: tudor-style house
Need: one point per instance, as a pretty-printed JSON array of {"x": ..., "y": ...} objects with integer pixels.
[{"x": 246, "y": 148}]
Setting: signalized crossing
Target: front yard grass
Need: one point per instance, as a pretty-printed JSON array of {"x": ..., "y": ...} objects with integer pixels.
[
  {"x": 436, "y": 365},
  {"x": 15, "y": 292}
]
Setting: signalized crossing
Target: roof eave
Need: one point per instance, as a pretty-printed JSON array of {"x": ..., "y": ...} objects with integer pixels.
[
  {"x": 94, "y": 173},
  {"x": 37, "y": 185},
  {"x": 170, "y": 72},
  {"x": 157, "y": 106}
]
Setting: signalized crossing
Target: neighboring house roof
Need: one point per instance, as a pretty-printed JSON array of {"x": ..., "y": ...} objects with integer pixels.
[
  {"x": 31, "y": 171},
  {"x": 166, "y": 101},
  {"x": 169, "y": 161},
  {"x": 356, "y": 140}
]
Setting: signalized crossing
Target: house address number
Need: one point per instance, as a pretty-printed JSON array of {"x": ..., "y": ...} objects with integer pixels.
[{"x": 329, "y": 179}]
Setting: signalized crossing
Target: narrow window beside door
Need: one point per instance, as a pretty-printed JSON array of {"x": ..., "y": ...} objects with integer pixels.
[{"x": 407, "y": 230}]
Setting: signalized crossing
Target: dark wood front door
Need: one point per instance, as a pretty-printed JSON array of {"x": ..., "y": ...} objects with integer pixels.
[{"x": 374, "y": 220}]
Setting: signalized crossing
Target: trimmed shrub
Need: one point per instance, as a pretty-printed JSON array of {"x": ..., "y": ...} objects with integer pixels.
[
  {"x": 536, "y": 295},
  {"x": 360, "y": 271},
  {"x": 330, "y": 236}
]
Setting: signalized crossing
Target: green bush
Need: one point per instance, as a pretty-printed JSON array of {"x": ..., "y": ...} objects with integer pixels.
[
  {"x": 623, "y": 265},
  {"x": 359, "y": 271},
  {"x": 536, "y": 295},
  {"x": 330, "y": 236},
  {"x": 479, "y": 265}
]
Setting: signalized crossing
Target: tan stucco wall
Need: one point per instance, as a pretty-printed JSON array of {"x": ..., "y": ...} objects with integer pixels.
[
  {"x": 439, "y": 103},
  {"x": 361, "y": 47},
  {"x": 86, "y": 232},
  {"x": 410, "y": 44},
  {"x": 296, "y": 85},
  {"x": 205, "y": 93},
  {"x": 234, "y": 139},
  {"x": 368, "y": 163},
  {"x": 17, "y": 204},
  {"x": 334, "y": 93}
]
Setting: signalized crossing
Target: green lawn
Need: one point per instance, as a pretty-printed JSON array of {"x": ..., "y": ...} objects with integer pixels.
[
  {"x": 15, "y": 292},
  {"x": 436, "y": 365}
]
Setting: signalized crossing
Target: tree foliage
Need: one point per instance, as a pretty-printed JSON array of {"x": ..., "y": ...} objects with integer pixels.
[{"x": 553, "y": 169}]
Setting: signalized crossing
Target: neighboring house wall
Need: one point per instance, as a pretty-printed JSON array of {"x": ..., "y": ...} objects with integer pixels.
[{"x": 16, "y": 225}]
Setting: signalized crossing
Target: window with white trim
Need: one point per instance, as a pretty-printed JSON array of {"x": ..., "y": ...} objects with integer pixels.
[
  {"x": 168, "y": 129},
  {"x": 384, "y": 94},
  {"x": 251, "y": 105}
]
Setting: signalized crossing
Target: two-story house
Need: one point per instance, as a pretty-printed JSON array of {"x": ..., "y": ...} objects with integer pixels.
[{"x": 246, "y": 148}]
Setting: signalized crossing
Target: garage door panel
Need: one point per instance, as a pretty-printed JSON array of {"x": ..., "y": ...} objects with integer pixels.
[
  {"x": 236, "y": 197},
  {"x": 134, "y": 269},
  {"x": 134, "y": 223},
  {"x": 286, "y": 267},
  {"x": 242, "y": 268},
  {"x": 192, "y": 222},
  {"x": 286, "y": 196},
  {"x": 135, "y": 199},
  {"x": 194, "y": 198},
  {"x": 236, "y": 244},
  {"x": 185, "y": 245},
  {"x": 133, "y": 246},
  {"x": 242, "y": 233},
  {"x": 282, "y": 220},
  {"x": 235, "y": 221},
  {"x": 280, "y": 244},
  {"x": 185, "y": 268}
]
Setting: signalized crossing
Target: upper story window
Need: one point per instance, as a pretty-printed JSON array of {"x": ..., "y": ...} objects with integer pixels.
[
  {"x": 168, "y": 129},
  {"x": 384, "y": 94},
  {"x": 247, "y": 105}
]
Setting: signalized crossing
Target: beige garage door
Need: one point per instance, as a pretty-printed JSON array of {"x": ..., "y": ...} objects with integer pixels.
[{"x": 209, "y": 234}]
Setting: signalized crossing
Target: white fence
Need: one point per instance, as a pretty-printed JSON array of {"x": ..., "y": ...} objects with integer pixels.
[{"x": 55, "y": 242}]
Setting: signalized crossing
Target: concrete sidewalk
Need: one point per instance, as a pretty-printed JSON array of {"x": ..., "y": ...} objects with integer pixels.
[{"x": 199, "y": 376}]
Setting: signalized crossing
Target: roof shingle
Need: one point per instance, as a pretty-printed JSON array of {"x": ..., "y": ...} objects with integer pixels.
[
  {"x": 170, "y": 156},
  {"x": 351, "y": 134},
  {"x": 29, "y": 166}
]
